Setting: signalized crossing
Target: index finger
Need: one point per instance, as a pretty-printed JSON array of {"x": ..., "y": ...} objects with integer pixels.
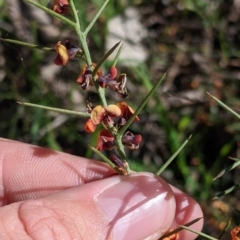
[{"x": 28, "y": 171}]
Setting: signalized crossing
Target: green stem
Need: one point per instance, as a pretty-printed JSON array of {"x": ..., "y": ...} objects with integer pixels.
[
  {"x": 121, "y": 151},
  {"x": 81, "y": 36},
  {"x": 83, "y": 41},
  {"x": 224, "y": 106},
  {"x": 88, "y": 28},
  {"x": 27, "y": 44},
  {"x": 52, "y": 13},
  {"x": 65, "y": 111},
  {"x": 165, "y": 165},
  {"x": 105, "y": 159}
]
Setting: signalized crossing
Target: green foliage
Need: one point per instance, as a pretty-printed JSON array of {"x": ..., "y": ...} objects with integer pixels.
[{"x": 205, "y": 40}]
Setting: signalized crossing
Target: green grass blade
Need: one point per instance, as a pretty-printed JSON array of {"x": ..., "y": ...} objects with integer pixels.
[
  {"x": 228, "y": 169},
  {"x": 88, "y": 28},
  {"x": 102, "y": 60},
  {"x": 179, "y": 228},
  {"x": 227, "y": 191},
  {"x": 141, "y": 106},
  {"x": 225, "y": 228},
  {"x": 224, "y": 106},
  {"x": 27, "y": 44},
  {"x": 165, "y": 165},
  {"x": 52, "y": 13},
  {"x": 199, "y": 233},
  {"x": 117, "y": 56},
  {"x": 65, "y": 111}
]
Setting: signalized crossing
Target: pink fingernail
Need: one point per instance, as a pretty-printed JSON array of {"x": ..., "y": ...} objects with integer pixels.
[{"x": 138, "y": 206}]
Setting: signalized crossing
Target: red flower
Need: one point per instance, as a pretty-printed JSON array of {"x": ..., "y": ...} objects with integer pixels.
[
  {"x": 131, "y": 141},
  {"x": 127, "y": 112},
  {"x": 61, "y": 6},
  {"x": 100, "y": 114},
  {"x": 105, "y": 140},
  {"x": 65, "y": 52},
  {"x": 117, "y": 84},
  {"x": 85, "y": 78},
  {"x": 119, "y": 164},
  {"x": 104, "y": 80},
  {"x": 235, "y": 233},
  {"x": 62, "y": 57}
]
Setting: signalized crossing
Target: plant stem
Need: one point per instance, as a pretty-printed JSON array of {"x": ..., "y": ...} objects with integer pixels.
[
  {"x": 83, "y": 41},
  {"x": 52, "y": 13},
  {"x": 65, "y": 111},
  {"x": 81, "y": 35},
  {"x": 121, "y": 151},
  {"x": 88, "y": 28}
]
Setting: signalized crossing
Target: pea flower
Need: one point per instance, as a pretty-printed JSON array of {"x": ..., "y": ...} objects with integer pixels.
[
  {"x": 127, "y": 112},
  {"x": 131, "y": 141},
  {"x": 65, "y": 52},
  {"x": 105, "y": 140},
  {"x": 103, "y": 115},
  {"x": 235, "y": 233},
  {"x": 117, "y": 84},
  {"x": 61, "y": 7},
  {"x": 85, "y": 78},
  {"x": 122, "y": 166}
]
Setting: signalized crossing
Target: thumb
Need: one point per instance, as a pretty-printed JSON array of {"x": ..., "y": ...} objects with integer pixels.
[{"x": 119, "y": 207}]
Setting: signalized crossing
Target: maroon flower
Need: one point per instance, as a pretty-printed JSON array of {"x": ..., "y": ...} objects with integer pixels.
[
  {"x": 131, "y": 141},
  {"x": 65, "y": 52},
  {"x": 105, "y": 140},
  {"x": 117, "y": 84},
  {"x": 85, "y": 78},
  {"x": 61, "y": 6},
  {"x": 119, "y": 164}
]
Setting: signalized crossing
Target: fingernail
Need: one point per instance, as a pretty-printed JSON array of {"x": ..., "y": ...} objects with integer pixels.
[{"x": 138, "y": 206}]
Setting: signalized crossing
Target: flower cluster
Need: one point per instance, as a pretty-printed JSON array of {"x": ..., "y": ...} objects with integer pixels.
[
  {"x": 112, "y": 117},
  {"x": 120, "y": 112}
]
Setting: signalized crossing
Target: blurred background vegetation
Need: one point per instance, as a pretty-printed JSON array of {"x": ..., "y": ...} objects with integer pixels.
[{"x": 195, "y": 42}]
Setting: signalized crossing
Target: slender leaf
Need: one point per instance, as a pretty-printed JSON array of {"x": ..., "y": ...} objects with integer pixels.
[
  {"x": 81, "y": 114},
  {"x": 225, "y": 228},
  {"x": 102, "y": 60},
  {"x": 27, "y": 44},
  {"x": 179, "y": 228},
  {"x": 52, "y": 13},
  {"x": 199, "y": 233},
  {"x": 228, "y": 169},
  {"x": 141, "y": 106},
  {"x": 117, "y": 56},
  {"x": 227, "y": 191},
  {"x": 88, "y": 28},
  {"x": 47, "y": 49},
  {"x": 105, "y": 159},
  {"x": 165, "y": 165},
  {"x": 224, "y": 106}
]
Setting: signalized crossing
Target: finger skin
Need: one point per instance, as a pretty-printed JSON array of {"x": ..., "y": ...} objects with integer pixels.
[
  {"x": 187, "y": 210},
  {"x": 30, "y": 172},
  {"x": 119, "y": 207}
]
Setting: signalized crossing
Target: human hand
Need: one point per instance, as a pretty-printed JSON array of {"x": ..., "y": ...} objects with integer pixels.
[{"x": 47, "y": 195}]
